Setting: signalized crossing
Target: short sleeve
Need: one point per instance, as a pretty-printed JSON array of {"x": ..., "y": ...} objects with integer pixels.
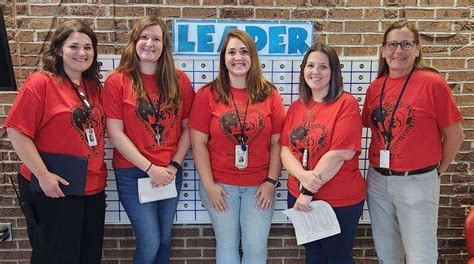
[
  {"x": 284, "y": 137},
  {"x": 277, "y": 113},
  {"x": 365, "y": 109},
  {"x": 27, "y": 110},
  {"x": 447, "y": 112},
  {"x": 187, "y": 92},
  {"x": 200, "y": 117},
  {"x": 348, "y": 127},
  {"x": 112, "y": 96}
]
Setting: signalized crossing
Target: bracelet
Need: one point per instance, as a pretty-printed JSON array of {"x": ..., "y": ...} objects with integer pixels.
[
  {"x": 149, "y": 167},
  {"x": 175, "y": 164}
]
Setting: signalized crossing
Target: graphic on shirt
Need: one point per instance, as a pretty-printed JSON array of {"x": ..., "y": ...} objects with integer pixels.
[
  {"x": 254, "y": 126},
  {"x": 403, "y": 123},
  {"x": 315, "y": 139},
  {"x": 80, "y": 120},
  {"x": 165, "y": 120}
]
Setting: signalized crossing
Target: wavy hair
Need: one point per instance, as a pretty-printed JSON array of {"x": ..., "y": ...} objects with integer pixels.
[
  {"x": 52, "y": 58},
  {"x": 258, "y": 89},
  {"x": 419, "y": 64},
  {"x": 166, "y": 76},
  {"x": 336, "y": 87}
]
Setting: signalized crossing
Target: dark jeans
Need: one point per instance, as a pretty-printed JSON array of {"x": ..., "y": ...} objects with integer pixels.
[
  {"x": 152, "y": 222},
  {"x": 335, "y": 249},
  {"x": 68, "y": 230}
]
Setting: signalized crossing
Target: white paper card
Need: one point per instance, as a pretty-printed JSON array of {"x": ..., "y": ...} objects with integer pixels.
[
  {"x": 319, "y": 223},
  {"x": 146, "y": 193},
  {"x": 385, "y": 159}
]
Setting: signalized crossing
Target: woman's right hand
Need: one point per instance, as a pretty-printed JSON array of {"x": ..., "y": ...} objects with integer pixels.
[
  {"x": 311, "y": 181},
  {"x": 216, "y": 196},
  {"x": 160, "y": 176},
  {"x": 49, "y": 183}
]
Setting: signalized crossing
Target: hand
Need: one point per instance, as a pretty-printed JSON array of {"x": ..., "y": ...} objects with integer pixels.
[
  {"x": 172, "y": 169},
  {"x": 265, "y": 196},
  {"x": 49, "y": 183},
  {"x": 160, "y": 176},
  {"x": 216, "y": 196},
  {"x": 311, "y": 180},
  {"x": 302, "y": 203}
]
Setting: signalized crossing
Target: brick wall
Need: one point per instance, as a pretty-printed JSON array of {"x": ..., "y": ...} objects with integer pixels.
[{"x": 354, "y": 27}]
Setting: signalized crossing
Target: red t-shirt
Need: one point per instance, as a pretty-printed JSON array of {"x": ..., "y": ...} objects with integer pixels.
[
  {"x": 426, "y": 107},
  {"x": 220, "y": 122},
  {"x": 332, "y": 126},
  {"x": 138, "y": 117},
  {"x": 52, "y": 115}
]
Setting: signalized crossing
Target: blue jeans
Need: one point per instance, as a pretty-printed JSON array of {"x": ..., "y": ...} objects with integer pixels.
[
  {"x": 242, "y": 219},
  {"x": 404, "y": 216},
  {"x": 152, "y": 221},
  {"x": 335, "y": 249}
]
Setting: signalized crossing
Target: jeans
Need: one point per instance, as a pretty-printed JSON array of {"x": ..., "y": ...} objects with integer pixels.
[
  {"x": 241, "y": 220},
  {"x": 335, "y": 249},
  {"x": 404, "y": 215},
  {"x": 151, "y": 222}
]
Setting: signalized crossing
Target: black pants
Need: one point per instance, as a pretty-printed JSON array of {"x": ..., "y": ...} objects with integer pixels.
[{"x": 68, "y": 230}]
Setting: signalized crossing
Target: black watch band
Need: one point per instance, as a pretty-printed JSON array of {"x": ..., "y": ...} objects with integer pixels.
[
  {"x": 175, "y": 164},
  {"x": 274, "y": 182},
  {"x": 304, "y": 191}
]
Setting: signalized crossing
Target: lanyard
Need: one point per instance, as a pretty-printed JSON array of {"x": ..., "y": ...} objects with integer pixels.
[
  {"x": 242, "y": 123},
  {"x": 307, "y": 126},
  {"x": 82, "y": 95},
  {"x": 156, "y": 111},
  {"x": 387, "y": 133}
]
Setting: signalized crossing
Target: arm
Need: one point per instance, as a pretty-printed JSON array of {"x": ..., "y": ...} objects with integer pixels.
[
  {"x": 160, "y": 176},
  {"x": 308, "y": 178},
  {"x": 331, "y": 162},
  {"x": 183, "y": 146},
  {"x": 266, "y": 189},
  {"x": 453, "y": 137},
  {"x": 215, "y": 193},
  {"x": 26, "y": 150}
]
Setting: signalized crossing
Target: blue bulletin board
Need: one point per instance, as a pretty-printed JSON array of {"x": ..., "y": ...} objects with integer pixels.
[{"x": 281, "y": 46}]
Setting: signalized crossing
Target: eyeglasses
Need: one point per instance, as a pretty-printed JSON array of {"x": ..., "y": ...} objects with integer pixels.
[{"x": 405, "y": 44}]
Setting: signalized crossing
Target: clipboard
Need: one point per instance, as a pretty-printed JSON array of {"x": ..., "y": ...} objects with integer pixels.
[{"x": 71, "y": 168}]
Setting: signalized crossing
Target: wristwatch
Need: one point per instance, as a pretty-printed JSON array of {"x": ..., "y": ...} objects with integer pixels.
[
  {"x": 304, "y": 191},
  {"x": 275, "y": 183},
  {"x": 175, "y": 164}
]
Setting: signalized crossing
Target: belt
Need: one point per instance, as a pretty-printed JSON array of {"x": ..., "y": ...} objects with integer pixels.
[{"x": 389, "y": 172}]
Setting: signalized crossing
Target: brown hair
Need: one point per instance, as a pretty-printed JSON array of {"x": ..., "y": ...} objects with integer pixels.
[
  {"x": 52, "y": 59},
  {"x": 258, "y": 89},
  {"x": 166, "y": 76},
  {"x": 418, "y": 64},
  {"x": 336, "y": 87}
]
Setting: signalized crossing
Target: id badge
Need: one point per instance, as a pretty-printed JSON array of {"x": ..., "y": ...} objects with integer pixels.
[
  {"x": 385, "y": 158},
  {"x": 91, "y": 139},
  {"x": 241, "y": 157}
]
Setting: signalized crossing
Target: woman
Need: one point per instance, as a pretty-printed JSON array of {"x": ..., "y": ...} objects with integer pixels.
[
  {"x": 416, "y": 132},
  {"x": 321, "y": 142},
  {"x": 235, "y": 127},
  {"x": 147, "y": 103},
  {"x": 58, "y": 112}
]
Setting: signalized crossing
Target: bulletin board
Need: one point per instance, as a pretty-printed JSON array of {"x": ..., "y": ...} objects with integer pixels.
[{"x": 283, "y": 72}]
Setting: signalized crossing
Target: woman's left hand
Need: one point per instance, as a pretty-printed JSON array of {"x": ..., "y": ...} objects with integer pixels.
[
  {"x": 172, "y": 169},
  {"x": 302, "y": 203},
  {"x": 265, "y": 196}
]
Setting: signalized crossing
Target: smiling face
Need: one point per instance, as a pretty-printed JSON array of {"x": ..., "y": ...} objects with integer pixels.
[
  {"x": 237, "y": 59},
  {"x": 400, "y": 61},
  {"x": 150, "y": 45},
  {"x": 77, "y": 54},
  {"x": 317, "y": 74}
]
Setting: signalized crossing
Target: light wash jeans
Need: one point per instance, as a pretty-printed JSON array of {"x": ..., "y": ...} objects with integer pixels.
[
  {"x": 404, "y": 215},
  {"x": 152, "y": 222},
  {"x": 241, "y": 220}
]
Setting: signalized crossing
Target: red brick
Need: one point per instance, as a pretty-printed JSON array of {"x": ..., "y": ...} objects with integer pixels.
[
  {"x": 228, "y": 12},
  {"x": 199, "y": 12},
  {"x": 272, "y": 13}
]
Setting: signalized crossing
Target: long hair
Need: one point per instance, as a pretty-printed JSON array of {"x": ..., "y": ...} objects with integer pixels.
[
  {"x": 166, "y": 76},
  {"x": 52, "y": 59},
  {"x": 418, "y": 64},
  {"x": 258, "y": 89},
  {"x": 336, "y": 87}
]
